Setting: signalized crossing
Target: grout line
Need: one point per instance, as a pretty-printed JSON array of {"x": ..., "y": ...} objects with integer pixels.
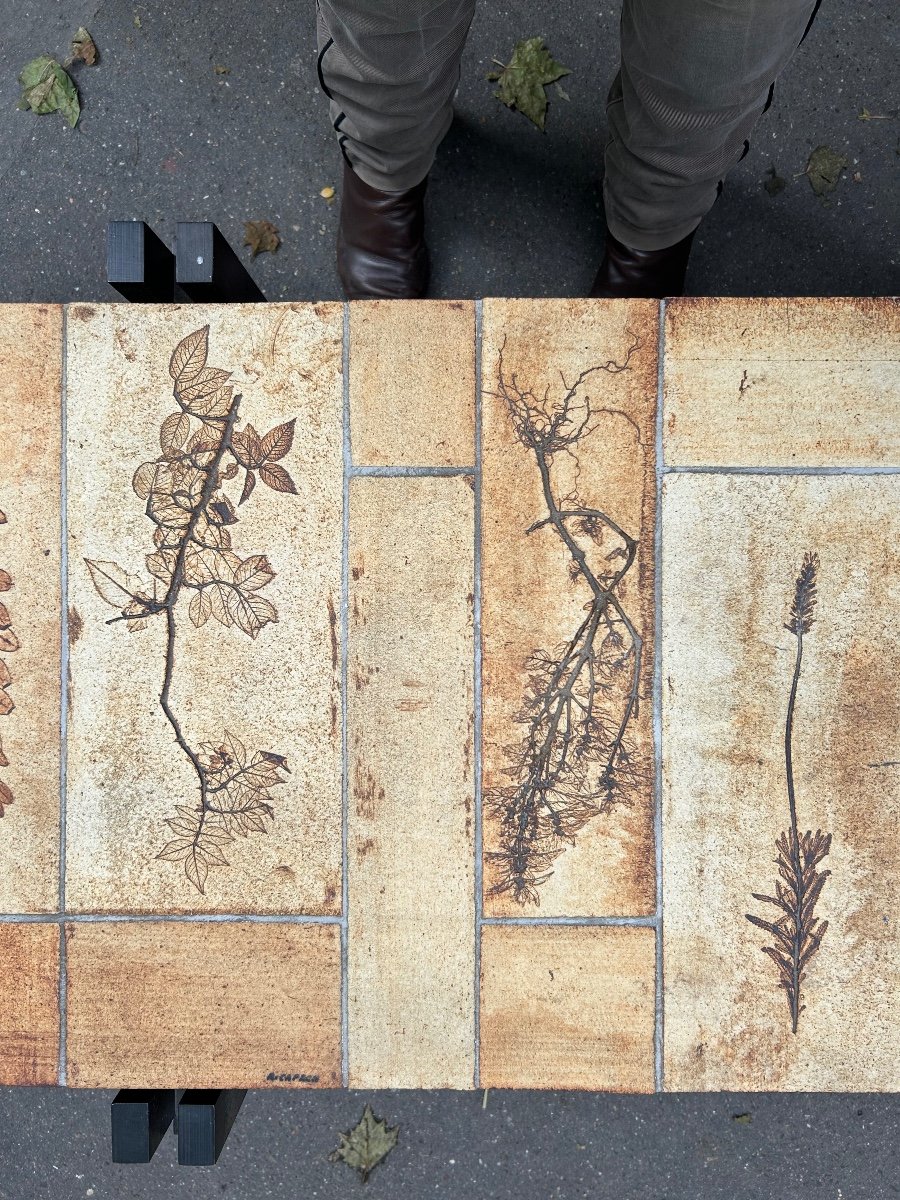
[
  {"x": 63, "y": 690},
  {"x": 476, "y": 620},
  {"x": 345, "y": 757},
  {"x": 641, "y": 922},
  {"x": 715, "y": 470},
  {"x": 407, "y": 472},
  {"x": 197, "y": 918},
  {"x": 658, "y": 1028}
]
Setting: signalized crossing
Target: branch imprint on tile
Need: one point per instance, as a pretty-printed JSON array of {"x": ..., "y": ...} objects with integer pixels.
[
  {"x": 797, "y": 933},
  {"x": 9, "y": 643},
  {"x": 194, "y": 567},
  {"x": 576, "y": 758}
]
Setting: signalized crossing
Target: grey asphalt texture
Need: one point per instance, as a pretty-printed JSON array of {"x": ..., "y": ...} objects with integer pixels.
[{"x": 165, "y": 137}]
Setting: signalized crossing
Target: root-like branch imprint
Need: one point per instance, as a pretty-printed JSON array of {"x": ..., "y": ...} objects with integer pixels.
[
  {"x": 192, "y": 517},
  {"x": 9, "y": 643},
  {"x": 576, "y": 758},
  {"x": 797, "y": 932}
]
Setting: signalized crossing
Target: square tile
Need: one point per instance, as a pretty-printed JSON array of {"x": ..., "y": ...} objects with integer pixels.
[
  {"x": 568, "y": 1006},
  {"x": 224, "y": 1004}
]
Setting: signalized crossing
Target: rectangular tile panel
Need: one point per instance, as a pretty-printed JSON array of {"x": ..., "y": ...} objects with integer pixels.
[
  {"x": 792, "y": 382},
  {"x": 410, "y": 780},
  {"x": 568, "y": 1007},
  {"x": 568, "y": 509},
  {"x": 205, "y": 582},
  {"x": 781, "y": 694},
  {"x": 227, "y": 1004},
  {"x": 30, "y": 605},
  {"x": 412, "y": 383},
  {"x": 29, "y": 1003}
]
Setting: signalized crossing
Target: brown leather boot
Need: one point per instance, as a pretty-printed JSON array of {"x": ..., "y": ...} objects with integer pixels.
[
  {"x": 648, "y": 274},
  {"x": 381, "y": 249}
]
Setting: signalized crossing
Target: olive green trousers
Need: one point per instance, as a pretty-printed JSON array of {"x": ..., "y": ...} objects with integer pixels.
[{"x": 694, "y": 77}]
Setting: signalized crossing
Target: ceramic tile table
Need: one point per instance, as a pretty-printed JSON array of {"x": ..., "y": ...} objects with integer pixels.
[{"x": 444, "y": 694}]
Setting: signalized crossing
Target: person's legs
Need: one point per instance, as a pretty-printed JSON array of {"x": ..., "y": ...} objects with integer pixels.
[
  {"x": 694, "y": 78},
  {"x": 390, "y": 69}
]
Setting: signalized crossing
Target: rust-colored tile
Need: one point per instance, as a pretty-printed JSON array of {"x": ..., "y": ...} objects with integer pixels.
[
  {"x": 164, "y": 1004},
  {"x": 412, "y": 383},
  {"x": 548, "y": 627},
  {"x": 782, "y": 382},
  {"x": 30, "y": 605},
  {"x": 568, "y": 1007},
  {"x": 29, "y": 1003},
  {"x": 277, "y": 693},
  {"x": 411, "y": 790},
  {"x": 733, "y": 552}
]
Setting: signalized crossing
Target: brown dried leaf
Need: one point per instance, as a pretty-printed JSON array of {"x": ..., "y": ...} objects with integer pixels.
[
  {"x": 174, "y": 433},
  {"x": 200, "y": 608},
  {"x": 8, "y": 641},
  {"x": 250, "y": 611},
  {"x": 5, "y": 619},
  {"x": 254, "y": 572},
  {"x": 83, "y": 47},
  {"x": 112, "y": 583},
  {"x": 4, "y": 761},
  {"x": 261, "y": 236},
  {"x": 6, "y": 797},
  {"x": 5, "y": 677},
  {"x": 6, "y": 703},
  {"x": 2, "y": 518},
  {"x": 249, "y": 485},
  {"x": 366, "y": 1144},
  {"x": 5, "y": 581},
  {"x": 196, "y": 869}
]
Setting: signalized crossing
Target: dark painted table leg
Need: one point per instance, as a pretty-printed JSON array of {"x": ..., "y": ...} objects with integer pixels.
[
  {"x": 208, "y": 269},
  {"x": 138, "y": 265},
  {"x": 205, "y": 1119},
  {"x": 140, "y": 1118}
]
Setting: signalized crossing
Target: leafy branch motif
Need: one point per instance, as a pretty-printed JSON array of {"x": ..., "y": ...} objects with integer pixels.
[
  {"x": 193, "y": 555},
  {"x": 576, "y": 757},
  {"x": 9, "y": 643},
  {"x": 797, "y": 933}
]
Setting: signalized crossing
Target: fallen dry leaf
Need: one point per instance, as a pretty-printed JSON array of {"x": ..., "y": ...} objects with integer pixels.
[
  {"x": 523, "y": 79},
  {"x": 824, "y": 169},
  {"x": 46, "y": 88},
  {"x": 83, "y": 48},
  {"x": 366, "y": 1144},
  {"x": 261, "y": 236}
]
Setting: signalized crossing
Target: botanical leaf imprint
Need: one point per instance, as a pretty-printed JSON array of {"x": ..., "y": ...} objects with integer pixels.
[
  {"x": 797, "y": 933},
  {"x": 575, "y": 759},
  {"x": 194, "y": 559}
]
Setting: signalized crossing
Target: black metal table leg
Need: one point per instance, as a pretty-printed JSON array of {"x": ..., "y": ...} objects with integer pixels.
[
  {"x": 138, "y": 265},
  {"x": 208, "y": 269},
  {"x": 205, "y": 1119},
  {"x": 140, "y": 1118}
]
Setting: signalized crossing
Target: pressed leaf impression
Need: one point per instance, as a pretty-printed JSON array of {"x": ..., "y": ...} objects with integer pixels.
[
  {"x": 8, "y": 643},
  {"x": 576, "y": 758},
  {"x": 196, "y": 574},
  {"x": 797, "y": 933}
]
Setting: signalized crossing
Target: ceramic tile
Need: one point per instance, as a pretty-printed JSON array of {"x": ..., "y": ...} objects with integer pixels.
[
  {"x": 568, "y": 1007},
  {"x": 792, "y": 382},
  {"x": 412, "y": 383},
  {"x": 229, "y": 1004},
  {"x": 411, "y": 783},
  {"x": 568, "y": 509},
  {"x": 30, "y": 606},
  {"x": 29, "y": 1003},
  {"x": 207, "y": 732},
  {"x": 781, "y": 604}
]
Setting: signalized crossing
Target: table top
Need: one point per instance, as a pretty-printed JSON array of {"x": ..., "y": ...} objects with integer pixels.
[{"x": 451, "y": 694}]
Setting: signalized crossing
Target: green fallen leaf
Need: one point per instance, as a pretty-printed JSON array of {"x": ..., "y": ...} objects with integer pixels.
[
  {"x": 46, "y": 88},
  {"x": 261, "y": 236},
  {"x": 523, "y": 79},
  {"x": 824, "y": 169},
  {"x": 366, "y": 1144},
  {"x": 742, "y": 1118},
  {"x": 83, "y": 48},
  {"x": 774, "y": 184}
]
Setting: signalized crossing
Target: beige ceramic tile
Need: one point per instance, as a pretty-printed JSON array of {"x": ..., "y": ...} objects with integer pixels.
[
  {"x": 568, "y": 1007},
  {"x": 29, "y": 1003},
  {"x": 30, "y": 436},
  {"x": 734, "y": 550},
  {"x": 412, "y": 382},
  {"x": 411, "y": 792},
  {"x": 562, "y": 661},
  {"x": 787, "y": 382},
  {"x": 274, "y": 688},
  {"x": 164, "y": 1004}
]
